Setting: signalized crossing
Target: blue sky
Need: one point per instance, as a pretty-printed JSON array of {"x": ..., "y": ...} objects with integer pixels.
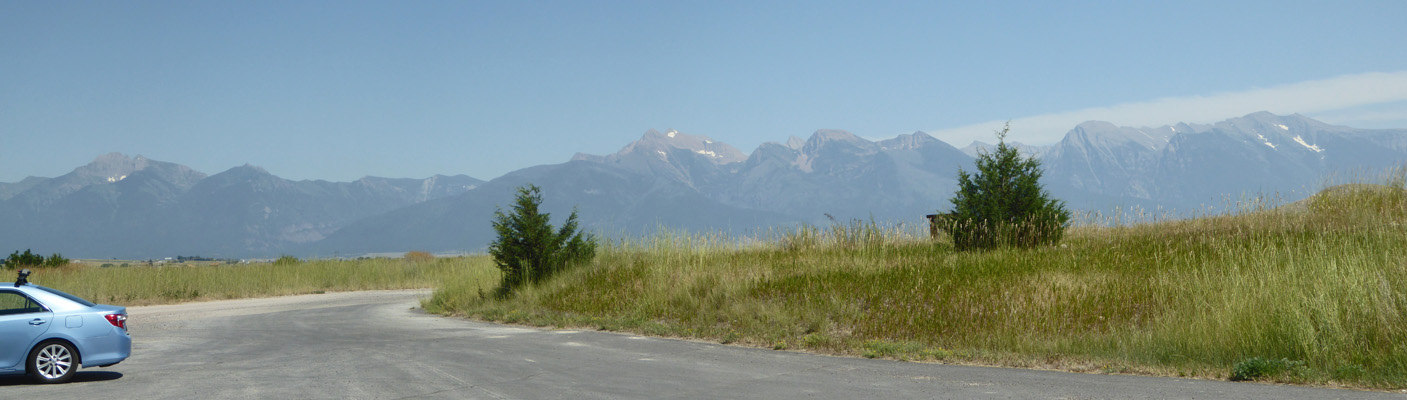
[{"x": 341, "y": 89}]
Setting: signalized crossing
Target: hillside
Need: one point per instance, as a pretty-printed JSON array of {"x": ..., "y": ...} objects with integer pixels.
[{"x": 1314, "y": 293}]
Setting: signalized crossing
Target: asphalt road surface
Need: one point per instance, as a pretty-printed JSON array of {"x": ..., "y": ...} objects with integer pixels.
[{"x": 377, "y": 345}]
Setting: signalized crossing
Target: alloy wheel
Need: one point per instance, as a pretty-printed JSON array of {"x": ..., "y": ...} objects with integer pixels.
[{"x": 54, "y": 361}]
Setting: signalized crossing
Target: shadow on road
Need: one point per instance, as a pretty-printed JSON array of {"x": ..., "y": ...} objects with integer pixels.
[{"x": 80, "y": 377}]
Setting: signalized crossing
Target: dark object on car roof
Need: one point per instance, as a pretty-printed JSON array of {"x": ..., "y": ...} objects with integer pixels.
[{"x": 23, "y": 279}]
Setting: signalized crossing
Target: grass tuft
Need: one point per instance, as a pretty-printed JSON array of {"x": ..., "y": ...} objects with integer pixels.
[{"x": 1258, "y": 368}]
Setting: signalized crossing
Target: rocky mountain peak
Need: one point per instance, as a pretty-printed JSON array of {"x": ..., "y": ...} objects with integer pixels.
[
  {"x": 827, "y": 137},
  {"x": 111, "y": 167},
  {"x": 908, "y": 142},
  {"x": 1265, "y": 121},
  {"x": 654, "y": 144},
  {"x": 1105, "y": 134},
  {"x": 1292, "y": 133},
  {"x": 243, "y": 174},
  {"x": 795, "y": 143},
  {"x": 1096, "y": 126},
  {"x": 832, "y": 135}
]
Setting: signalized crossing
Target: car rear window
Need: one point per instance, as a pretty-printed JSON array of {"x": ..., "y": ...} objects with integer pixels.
[{"x": 75, "y": 299}]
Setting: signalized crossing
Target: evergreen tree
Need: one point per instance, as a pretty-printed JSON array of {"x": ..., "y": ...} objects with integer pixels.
[
  {"x": 1003, "y": 204},
  {"x": 528, "y": 249},
  {"x": 28, "y": 260},
  {"x": 56, "y": 260}
]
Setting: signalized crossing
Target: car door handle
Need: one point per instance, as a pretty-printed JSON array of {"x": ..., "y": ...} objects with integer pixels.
[{"x": 37, "y": 322}]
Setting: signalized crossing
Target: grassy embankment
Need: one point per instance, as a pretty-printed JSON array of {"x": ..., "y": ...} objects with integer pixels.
[
  {"x": 1310, "y": 293},
  {"x": 164, "y": 284}
]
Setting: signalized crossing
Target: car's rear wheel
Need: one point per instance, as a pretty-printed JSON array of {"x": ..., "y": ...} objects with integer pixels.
[{"x": 53, "y": 362}]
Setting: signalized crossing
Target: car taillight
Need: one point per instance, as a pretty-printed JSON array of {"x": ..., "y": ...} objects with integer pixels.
[{"x": 117, "y": 320}]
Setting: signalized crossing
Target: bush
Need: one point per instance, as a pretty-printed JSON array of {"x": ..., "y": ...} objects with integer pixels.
[
  {"x": 527, "y": 250},
  {"x": 287, "y": 260},
  {"x": 1003, "y": 204},
  {"x": 30, "y": 260},
  {"x": 56, "y": 260},
  {"x": 1256, "y": 367}
]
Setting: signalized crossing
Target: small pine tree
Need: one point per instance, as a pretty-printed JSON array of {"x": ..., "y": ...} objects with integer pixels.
[
  {"x": 56, "y": 260},
  {"x": 528, "y": 249},
  {"x": 26, "y": 260},
  {"x": 1003, "y": 204}
]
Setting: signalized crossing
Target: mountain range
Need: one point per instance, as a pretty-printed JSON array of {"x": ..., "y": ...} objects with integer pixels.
[
  {"x": 133, "y": 207},
  {"x": 125, "y": 207}
]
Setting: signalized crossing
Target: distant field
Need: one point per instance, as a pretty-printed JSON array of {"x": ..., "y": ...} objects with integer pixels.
[
  {"x": 143, "y": 284},
  {"x": 147, "y": 263},
  {"x": 1314, "y": 293}
]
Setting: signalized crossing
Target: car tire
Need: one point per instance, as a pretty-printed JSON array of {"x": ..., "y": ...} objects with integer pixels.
[{"x": 54, "y": 361}]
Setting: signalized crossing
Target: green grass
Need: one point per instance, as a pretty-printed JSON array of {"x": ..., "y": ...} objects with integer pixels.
[
  {"x": 145, "y": 285},
  {"x": 1320, "y": 287}
]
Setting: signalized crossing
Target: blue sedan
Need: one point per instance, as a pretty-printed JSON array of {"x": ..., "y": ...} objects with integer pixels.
[{"x": 49, "y": 334}]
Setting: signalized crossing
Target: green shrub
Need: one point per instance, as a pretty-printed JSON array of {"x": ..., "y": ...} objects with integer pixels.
[
  {"x": 528, "y": 250},
  {"x": 1003, "y": 204},
  {"x": 56, "y": 260},
  {"x": 287, "y": 260},
  {"x": 30, "y": 260},
  {"x": 1349, "y": 372},
  {"x": 1257, "y": 367}
]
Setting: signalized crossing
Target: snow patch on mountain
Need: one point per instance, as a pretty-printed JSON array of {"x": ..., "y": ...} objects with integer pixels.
[
  {"x": 1266, "y": 141},
  {"x": 1301, "y": 141},
  {"x": 1151, "y": 138},
  {"x": 654, "y": 145}
]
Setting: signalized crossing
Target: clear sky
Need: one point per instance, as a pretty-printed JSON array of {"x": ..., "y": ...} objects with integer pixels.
[{"x": 338, "y": 90}]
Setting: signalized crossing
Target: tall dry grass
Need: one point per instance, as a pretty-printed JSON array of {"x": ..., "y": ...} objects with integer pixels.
[{"x": 1321, "y": 283}]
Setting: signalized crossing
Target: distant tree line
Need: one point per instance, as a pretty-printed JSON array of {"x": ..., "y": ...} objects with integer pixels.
[{"x": 30, "y": 260}]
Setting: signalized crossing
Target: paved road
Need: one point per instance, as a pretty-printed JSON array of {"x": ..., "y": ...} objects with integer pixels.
[{"x": 375, "y": 345}]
